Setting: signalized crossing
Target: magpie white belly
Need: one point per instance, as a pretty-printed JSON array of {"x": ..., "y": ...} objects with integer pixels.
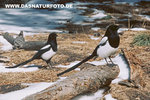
[
  {"x": 106, "y": 50},
  {"x": 47, "y": 55}
]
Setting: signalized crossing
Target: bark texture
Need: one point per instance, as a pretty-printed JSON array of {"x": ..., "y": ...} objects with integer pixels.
[
  {"x": 9, "y": 38},
  {"x": 87, "y": 80}
]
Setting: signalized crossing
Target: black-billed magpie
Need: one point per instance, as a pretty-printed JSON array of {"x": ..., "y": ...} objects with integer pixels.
[
  {"x": 45, "y": 53},
  {"x": 107, "y": 47}
]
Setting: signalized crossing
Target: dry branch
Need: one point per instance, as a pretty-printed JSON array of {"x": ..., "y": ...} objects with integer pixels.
[
  {"x": 9, "y": 38},
  {"x": 32, "y": 45},
  {"x": 87, "y": 80},
  {"x": 20, "y": 43}
]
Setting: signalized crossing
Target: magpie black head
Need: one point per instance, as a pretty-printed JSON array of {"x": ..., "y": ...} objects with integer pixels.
[
  {"x": 112, "y": 29},
  {"x": 52, "y": 36},
  {"x": 113, "y": 36}
]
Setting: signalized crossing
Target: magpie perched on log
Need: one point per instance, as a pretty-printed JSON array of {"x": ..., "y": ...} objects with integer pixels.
[
  {"x": 107, "y": 47},
  {"x": 45, "y": 53}
]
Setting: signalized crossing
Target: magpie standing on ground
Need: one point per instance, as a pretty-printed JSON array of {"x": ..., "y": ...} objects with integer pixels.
[
  {"x": 107, "y": 47},
  {"x": 45, "y": 53}
]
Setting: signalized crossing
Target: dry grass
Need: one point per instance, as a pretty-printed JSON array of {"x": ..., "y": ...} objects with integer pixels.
[
  {"x": 67, "y": 52},
  {"x": 42, "y": 75},
  {"x": 142, "y": 53}
]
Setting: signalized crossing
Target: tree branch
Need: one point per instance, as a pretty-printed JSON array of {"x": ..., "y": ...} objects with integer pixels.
[{"x": 20, "y": 43}]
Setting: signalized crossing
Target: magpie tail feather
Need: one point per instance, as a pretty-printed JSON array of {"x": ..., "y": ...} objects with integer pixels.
[
  {"x": 21, "y": 64},
  {"x": 77, "y": 65}
]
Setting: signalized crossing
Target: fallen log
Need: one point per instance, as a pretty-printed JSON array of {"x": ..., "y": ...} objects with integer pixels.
[
  {"x": 32, "y": 45},
  {"x": 87, "y": 80},
  {"x": 9, "y": 38},
  {"x": 20, "y": 43}
]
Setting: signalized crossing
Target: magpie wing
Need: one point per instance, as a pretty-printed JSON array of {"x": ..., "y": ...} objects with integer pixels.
[
  {"x": 103, "y": 41},
  {"x": 41, "y": 51}
]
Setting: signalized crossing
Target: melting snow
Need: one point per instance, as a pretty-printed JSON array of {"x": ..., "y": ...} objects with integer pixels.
[
  {"x": 6, "y": 45},
  {"x": 93, "y": 96},
  {"x": 33, "y": 88},
  {"x": 147, "y": 17},
  {"x": 132, "y": 29},
  {"x": 29, "y": 69},
  {"x": 94, "y": 38},
  {"x": 95, "y": 28},
  {"x": 122, "y": 30},
  {"x": 138, "y": 29},
  {"x": 98, "y": 14},
  {"x": 70, "y": 65},
  {"x": 124, "y": 69},
  {"x": 15, "y": 20},
  {"x": 109, "y": 97},
  {"x": 20, "y": 94}
]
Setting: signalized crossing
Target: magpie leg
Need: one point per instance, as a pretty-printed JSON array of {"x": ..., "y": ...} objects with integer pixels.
[
  {"x": 50, "y": 64},
  {"x": 95, "y": 57},
  {"x": 106, "y": 61},
  {"x": 111, "y": 60}
]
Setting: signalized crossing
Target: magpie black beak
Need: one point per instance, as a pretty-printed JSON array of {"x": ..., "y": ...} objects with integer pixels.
[{"x": 120, "y": 25}]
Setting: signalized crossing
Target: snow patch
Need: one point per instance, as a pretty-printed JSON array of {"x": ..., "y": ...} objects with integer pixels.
[
  {"x": 5, "y": 44},
  {"x": 33, "y": 88},
  {"x": 80, "y": 7},
  {"x": 14, "y": 20},
  {"x": 79, "y": 42},
  {"x": 4, "y": 70},
  {"x": 94, "y": 38},
  {"x": 124, "y": 69},
  {"x": 20, "y": 94},
  {"x": 138, "y": 29},
  {"x": 93, "y": 96},
  {"x": 147, "y": 17},
  {"x": 102, "y": 62},
  {"x": 132, "y": 29},
  {"x": 98, "y": 14},
  {"x": 95, "y": 28},
  {"x": 109, "y": 97},
  {"x": 122, "y": 30},
  {"x": 70, "y": 65}
]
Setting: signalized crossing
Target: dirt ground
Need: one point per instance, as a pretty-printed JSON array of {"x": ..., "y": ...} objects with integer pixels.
[{"x": 69, "y": 52}]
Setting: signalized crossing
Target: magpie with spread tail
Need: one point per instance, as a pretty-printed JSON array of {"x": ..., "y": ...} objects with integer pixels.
[
  {"x": 45, "y": 53},
  {"x": 107, "y": 47}
]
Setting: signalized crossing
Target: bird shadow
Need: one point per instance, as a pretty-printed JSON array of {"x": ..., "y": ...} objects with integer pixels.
[
  {"x": 30, "y": 66},
  {"x": 42, "y": 67},
  {"x": 111, "y": 65}
]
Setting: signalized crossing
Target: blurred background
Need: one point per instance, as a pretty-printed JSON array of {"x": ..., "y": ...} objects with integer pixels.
[{"x": 85, "y": 15}]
